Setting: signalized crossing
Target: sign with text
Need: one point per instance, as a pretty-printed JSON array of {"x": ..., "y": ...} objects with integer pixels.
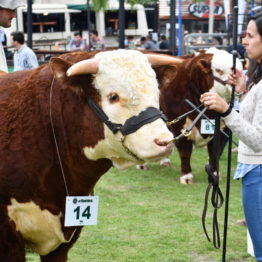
[
  {"x": 207, "y": 127},
  {"x": 202, "y": 11},
  {"x": 81, "y": 210}
]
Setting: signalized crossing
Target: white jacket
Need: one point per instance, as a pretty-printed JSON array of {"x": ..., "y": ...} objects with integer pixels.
[
  {"x": 247, "y": 125},
  {"x": 3, "y": 64}
]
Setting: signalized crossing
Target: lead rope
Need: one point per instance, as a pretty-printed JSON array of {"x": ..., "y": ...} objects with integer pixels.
[
  {"x": 212, "y": 169},
  {"x": 54, "y": 136},
  {"x": 235, "y": 37},
  {"x": 57, "y": 149}
]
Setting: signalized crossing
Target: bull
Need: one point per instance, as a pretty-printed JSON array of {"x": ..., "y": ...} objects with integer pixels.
[
  {"x": 188, "y": 78},
  {"x": 53, "y": 142}
]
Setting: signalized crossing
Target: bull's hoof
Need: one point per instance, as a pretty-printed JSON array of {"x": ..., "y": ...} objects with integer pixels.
[
  {"x": 142, "y": 167},
  {"x": 165, "y": 162},
  {"x": 186, "y": 179}
]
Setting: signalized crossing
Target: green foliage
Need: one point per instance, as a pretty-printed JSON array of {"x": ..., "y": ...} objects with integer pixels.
[
  {"x": 142, "y": 2},
  {"x": 99, "y": 4},
  {"x": 102, "y": 4},
  {"x": 148, "y": 216}
]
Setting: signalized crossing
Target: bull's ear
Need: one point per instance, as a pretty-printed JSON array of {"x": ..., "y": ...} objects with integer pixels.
[
  {"x": 165, "y": 74},
  {"x": 205, "y": 65},
  {"x": 59, "y": 67}
]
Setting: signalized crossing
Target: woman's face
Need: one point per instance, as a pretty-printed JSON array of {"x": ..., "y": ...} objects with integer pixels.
[{"x": 253, "y": 42}]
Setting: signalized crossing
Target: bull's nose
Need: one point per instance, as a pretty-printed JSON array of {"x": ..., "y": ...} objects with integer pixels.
[{"x": 161, "y": 142}]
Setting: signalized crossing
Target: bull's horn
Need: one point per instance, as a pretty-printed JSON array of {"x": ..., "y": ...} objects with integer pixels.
[
  {"x": 163, "y": 59},
  {"x": 88, "y": 66}
]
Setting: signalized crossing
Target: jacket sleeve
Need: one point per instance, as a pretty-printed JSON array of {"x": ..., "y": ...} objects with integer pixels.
[{"x": 250, "y": 133}]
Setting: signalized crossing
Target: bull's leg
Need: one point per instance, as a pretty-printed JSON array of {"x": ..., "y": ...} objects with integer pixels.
[
  {"x": 185, "y": 148},
  {"x": 60, "y": 254},
  {"x": 11, "y": 242},
  {"x": 165, "y": 162}
]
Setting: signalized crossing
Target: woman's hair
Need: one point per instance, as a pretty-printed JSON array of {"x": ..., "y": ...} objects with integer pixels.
[{"x": 255, "y": 72}]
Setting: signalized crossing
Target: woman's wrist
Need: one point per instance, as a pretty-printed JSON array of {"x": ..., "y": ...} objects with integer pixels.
[{"x": 227, "y": 112}]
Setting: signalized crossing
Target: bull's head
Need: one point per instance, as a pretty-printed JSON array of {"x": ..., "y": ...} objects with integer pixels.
[
  {"x": 221, "y": 64},
  {"x": 127, "y": 87}
]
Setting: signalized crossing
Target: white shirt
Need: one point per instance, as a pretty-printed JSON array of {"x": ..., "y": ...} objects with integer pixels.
[
  {"x": 3, "y": 64},
  {"x": 25, "y": 58}
]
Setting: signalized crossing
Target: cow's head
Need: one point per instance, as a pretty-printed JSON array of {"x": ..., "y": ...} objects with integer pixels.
[
  {"x": 221, "y": 65},
  {"x": 127, "y": 86}
]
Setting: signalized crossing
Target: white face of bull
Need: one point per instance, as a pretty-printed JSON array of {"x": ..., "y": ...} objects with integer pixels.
[
  {"x": 127, "y": 85},
  {"x": 222, "y": 62}
]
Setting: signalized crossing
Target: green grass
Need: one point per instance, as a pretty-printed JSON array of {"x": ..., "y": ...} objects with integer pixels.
[{"x": 148, "y": 216}]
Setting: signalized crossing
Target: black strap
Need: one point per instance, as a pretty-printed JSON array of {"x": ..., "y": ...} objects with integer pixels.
[
  {"x": 147, "y": 116},
  {"x": 132, "y": 124},
  {"x": 212, "y": 169},
  {"x": 100, "y": 113}
]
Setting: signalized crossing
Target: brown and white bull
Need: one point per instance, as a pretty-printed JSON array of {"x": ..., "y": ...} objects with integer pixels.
[
  {"x": 52, "y": 144},
  {"x": 188, "y": 79}
]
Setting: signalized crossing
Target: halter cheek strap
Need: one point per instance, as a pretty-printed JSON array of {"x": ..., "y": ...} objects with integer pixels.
[{"x": 132, "y": 124}]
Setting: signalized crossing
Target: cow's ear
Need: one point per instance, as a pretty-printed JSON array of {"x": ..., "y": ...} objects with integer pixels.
[
  {"x": 165, "y": 74},
  {"x": 204, "y": 65},
  {"x": 59, "y": 67}
]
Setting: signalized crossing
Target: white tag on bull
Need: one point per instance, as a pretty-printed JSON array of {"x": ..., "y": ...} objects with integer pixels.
[
  {"x": 207, "y": 127},
  {"x": 81, "y": 211}
]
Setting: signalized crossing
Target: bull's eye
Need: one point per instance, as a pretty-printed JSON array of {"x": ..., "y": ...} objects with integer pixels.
[
  {"x": 113, "y": 98},
  {"x": 220, "y": 72}
]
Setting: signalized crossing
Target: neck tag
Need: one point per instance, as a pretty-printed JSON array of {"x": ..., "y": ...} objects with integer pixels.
[{"x": 81, "y": 211}]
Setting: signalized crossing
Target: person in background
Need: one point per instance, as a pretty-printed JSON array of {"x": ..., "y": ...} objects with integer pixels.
[
  {"x": 7, "y": 13},
  {"x": 130, "y": 42},
  {"x": 97, "y": 42},
  {"x": 147, "y": 43},
  {"x": 247, "y": 126},
  {"x": 24, "y": 57},
  {"x": 164, "y": 43},
  {"x": 77, "y": 43}
]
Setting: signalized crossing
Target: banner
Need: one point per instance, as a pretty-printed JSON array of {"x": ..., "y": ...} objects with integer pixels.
[
  {"x": 241, "y": 14},
  {"x": 227, "y": 12}
]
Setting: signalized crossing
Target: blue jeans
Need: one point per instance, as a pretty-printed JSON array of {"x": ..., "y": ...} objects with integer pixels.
[{"x": 252, "y": 203}]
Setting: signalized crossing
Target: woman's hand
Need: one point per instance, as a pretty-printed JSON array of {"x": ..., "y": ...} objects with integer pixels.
[
  {"x": 238, "y": 79},
  {"x": 214, "y": 102}
]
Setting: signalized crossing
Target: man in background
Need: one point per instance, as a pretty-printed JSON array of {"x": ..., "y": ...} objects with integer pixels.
[
  {"x": 148, "y": 43},
  {"x": 97, "y": 42},
  {"x": 77, "y": 43},
  {"x": 24, "y": 57},
  {"x": 7, "y": 13}
]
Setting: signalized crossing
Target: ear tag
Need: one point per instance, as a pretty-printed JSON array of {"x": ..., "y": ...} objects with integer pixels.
[{"x": 81, "y": 211}]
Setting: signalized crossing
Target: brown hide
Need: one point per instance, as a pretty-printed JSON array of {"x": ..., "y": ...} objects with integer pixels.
[
  {"x": 29, "y": 166},
  {"x": 189, "y": 80}
]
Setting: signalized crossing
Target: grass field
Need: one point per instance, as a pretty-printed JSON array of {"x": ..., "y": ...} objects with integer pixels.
[{"x": 147, "y": 216}]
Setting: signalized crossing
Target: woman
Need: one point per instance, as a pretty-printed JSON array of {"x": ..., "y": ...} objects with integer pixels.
[{"x": 247, "y": 126}]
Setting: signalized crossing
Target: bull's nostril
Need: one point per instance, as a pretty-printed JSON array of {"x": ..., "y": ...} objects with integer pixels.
[{"x": 160, "y": 142}]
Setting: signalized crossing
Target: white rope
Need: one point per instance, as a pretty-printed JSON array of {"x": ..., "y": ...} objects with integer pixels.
[{"x": 53, "y": 131}]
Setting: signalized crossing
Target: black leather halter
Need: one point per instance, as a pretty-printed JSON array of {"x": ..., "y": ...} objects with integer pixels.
[
  {"x": 223, "y": 82},
  {"x": 132, "y": 124}
]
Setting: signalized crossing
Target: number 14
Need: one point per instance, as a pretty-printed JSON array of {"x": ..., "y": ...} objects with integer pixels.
[{"x": 86, "y": 213}]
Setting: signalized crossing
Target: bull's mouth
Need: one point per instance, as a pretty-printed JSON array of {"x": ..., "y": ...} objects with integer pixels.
[{"x": 165, "y": 151}]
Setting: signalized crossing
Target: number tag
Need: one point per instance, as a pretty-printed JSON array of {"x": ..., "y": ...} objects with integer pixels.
[
  {"x": 81, "y": 211},
  {"x": 207, "y": 127}
]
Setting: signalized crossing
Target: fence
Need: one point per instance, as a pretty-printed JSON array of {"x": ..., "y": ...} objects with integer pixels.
[{"x": 194, "y": 42}]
